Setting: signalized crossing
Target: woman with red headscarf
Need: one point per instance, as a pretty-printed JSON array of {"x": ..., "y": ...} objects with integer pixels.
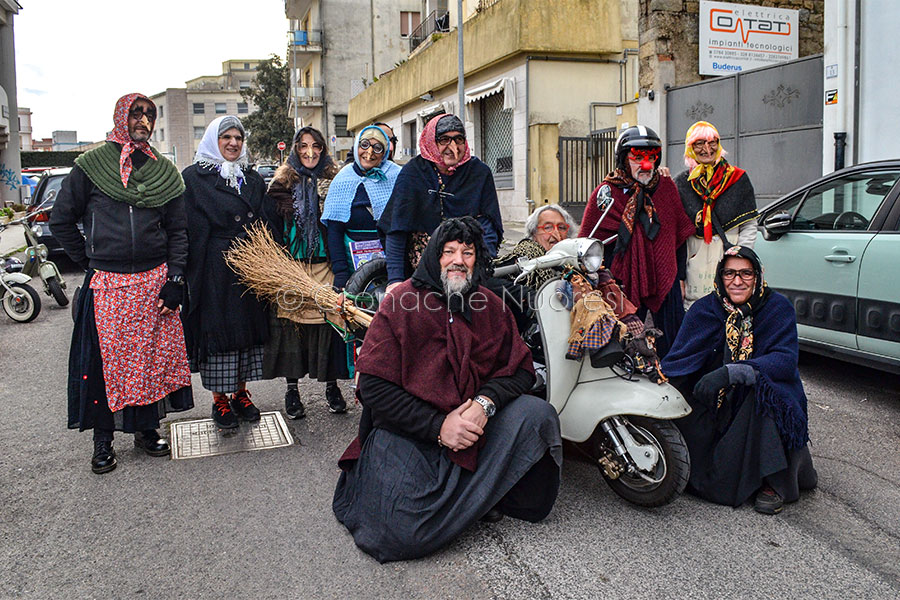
[
  {"x": 444, "y": 181},
  {"x": 719, "y": 198}
]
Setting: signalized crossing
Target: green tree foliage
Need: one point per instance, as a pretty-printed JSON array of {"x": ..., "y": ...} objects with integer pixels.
[{"x": 270, "y": 123}]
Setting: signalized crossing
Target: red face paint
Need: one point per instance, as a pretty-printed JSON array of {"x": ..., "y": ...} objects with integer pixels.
[{"x": 647, "y": 158}]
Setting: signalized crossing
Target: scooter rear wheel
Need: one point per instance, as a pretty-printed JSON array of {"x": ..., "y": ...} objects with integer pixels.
[
  {"x": 57, "y": 291},
  {"x": 674, "y": 465},
  {"x": 21, "y": 304}
]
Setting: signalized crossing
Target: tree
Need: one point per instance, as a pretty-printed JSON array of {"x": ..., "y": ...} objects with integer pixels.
[{"x": 270, "y": 123}]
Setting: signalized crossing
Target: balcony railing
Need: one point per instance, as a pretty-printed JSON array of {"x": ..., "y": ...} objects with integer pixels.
[
  {"x": 306, "y": 39},
  {"x": 433, "y": 23},
  {"x": 485, "y": 4},
  {"x": 307, "y": 96}
]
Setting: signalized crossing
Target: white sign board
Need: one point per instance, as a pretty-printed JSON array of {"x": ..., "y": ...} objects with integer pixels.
[{"x": 738, "y": 37}]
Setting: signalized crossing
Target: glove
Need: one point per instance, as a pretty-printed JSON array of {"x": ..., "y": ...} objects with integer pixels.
[
  {"x": 707, "y": 389},
  {"x": 172, "y": 295}
]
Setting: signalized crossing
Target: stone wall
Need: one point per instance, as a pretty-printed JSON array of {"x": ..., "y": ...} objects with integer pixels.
[{"x": 669, "y": 35}]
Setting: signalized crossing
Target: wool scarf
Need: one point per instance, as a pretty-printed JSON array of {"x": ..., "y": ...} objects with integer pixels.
[
  {"x": 151, "y": 186},
  {"x": 710, "y": 182}
]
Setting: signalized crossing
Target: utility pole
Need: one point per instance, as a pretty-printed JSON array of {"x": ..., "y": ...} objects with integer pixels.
[{"x": 460, "y": 86}]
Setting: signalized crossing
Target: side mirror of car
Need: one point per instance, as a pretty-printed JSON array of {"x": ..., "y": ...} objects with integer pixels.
[{"x": 776, "y": 225}]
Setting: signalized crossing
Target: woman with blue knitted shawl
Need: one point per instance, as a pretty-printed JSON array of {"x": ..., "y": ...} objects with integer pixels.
[
  {"x": 355, "y": 201},
  {"x": 735, "y": 361}
]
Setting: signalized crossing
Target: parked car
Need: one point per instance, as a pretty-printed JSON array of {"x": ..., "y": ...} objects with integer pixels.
[
  {"x": 43, "y": 197},
  {"x": 267, "y": 172},
  {"x": 831, "y": 247}
]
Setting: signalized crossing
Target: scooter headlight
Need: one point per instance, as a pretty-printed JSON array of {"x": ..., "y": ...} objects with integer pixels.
[
  {"x": 590, "y": 254},
  {"x": 36, "y": 229},
  {"x": 43, "y": 252}
]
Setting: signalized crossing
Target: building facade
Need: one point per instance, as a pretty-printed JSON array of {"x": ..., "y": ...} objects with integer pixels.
[
  {"x": 25, "y": 132},
  {"x": 11, "y": 189},
  {"x": 335, "y": 49},
  {"x": 184, "y": 113},
  {"x": 536, "y": 73}
]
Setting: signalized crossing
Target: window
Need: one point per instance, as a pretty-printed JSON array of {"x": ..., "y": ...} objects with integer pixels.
[
  {"x": 496, "y": 140},
  {"x": 845, "y": 204},
  {"x": 408, "y": 22},
  {"x": 160, "y": 111},
  {"x": 162, "y": 135},
  {"x": 198, "y": 108},
  {"x": 198, "y": 132},
  {"x": 220, "y": 108},
  {"x": 409, "y": 131},
  {"x": 246, "y": 66},
  {"x": 340, "y": 126},
  {"x": 242, "y": 108},
  {"x": 244, "y": 84}
]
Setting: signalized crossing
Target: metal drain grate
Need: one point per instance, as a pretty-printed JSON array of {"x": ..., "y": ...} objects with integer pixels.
[{"x": 195, "y": 439}]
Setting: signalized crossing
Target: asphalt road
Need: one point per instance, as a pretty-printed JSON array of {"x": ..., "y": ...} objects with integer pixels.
[{"x": 259, "y": 524}]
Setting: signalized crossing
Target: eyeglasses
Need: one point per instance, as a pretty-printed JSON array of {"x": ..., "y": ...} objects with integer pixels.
[
  {"x": 549, "y": 227},
  {"x": 711, "y": 144},
  {"x": 137, "y": 112},
  {"x": 744, "y": 274},
  {"x": 377, "y": 147},
  {"x": 444, "y": 140}
]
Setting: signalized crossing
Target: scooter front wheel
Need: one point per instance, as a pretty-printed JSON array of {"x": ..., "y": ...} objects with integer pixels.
[
  {"x": 21, "y": 303},
  {"x": 57, "y": 291},
  {"x": 667, "y": 478}
]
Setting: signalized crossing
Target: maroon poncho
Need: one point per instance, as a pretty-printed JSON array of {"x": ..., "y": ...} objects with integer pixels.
[
  {"x": 413, "y": 343},
  {"x": 647, "y": 269}
]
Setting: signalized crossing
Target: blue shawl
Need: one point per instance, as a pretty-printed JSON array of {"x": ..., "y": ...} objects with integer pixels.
[
  {"x": 779, "y": 392},
  {"x": 343, "y": 189}
]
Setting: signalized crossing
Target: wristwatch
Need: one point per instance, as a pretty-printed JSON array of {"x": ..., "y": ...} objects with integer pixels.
[{"x": 490, "y": 409}]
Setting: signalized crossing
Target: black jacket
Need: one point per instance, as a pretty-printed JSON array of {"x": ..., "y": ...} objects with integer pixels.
[
  {"x": 118, "y": 237},
  {"x": 221, "y": 314}
]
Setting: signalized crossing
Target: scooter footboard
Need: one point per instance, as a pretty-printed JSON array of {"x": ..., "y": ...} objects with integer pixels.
[{"x": 588, "y": 404}]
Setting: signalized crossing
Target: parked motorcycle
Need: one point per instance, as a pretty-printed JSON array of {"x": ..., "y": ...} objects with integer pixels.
[
  {"x": 19, "y": 300},
  {"x": 621, "y": 419},
  {"x": 37, "y": 262}
]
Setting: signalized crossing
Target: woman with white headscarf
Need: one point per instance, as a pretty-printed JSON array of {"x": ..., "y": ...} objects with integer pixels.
[{"x": 225, "y": 327}]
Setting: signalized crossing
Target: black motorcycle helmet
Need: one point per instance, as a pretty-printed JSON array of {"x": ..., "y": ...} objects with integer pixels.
[{"x": 636, "y": 136}]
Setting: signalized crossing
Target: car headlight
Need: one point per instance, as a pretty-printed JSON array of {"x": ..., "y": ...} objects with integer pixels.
[{"x": 590, "y": 254}]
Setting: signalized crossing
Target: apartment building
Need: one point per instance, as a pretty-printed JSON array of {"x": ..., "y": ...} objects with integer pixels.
[
  {"x": 338, "y": 47},
  {"x": 547, "y": 83},
  {"x": 184, "y": 113}
]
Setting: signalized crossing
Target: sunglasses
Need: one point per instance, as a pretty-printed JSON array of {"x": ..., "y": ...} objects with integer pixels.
[
  {"x": 744, "y": 274},
  {"x": 137, "y": 112},
  {"x": 377, "y": 147},
  {"x": 549, "y": 227},
  {"x": 444, "y": 140}
]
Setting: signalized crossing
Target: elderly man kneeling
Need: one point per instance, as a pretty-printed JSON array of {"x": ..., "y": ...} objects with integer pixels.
[{"x": 446, "y": 435}]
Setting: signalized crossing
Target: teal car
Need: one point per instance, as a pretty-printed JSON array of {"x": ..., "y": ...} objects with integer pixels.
[{"x": 833, "y": 248}]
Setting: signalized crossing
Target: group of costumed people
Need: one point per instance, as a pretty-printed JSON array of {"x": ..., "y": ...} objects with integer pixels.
[{"x": 447, "y": 434}]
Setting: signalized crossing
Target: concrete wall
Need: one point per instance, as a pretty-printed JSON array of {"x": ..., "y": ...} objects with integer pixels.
[{"x": 11, "y": 190}]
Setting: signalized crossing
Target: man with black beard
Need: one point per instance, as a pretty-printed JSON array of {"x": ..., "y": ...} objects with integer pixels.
[{"x": 446, "y": 436}]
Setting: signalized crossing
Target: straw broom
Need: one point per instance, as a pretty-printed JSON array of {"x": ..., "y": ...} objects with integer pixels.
[{"x": 272, "y": 274}]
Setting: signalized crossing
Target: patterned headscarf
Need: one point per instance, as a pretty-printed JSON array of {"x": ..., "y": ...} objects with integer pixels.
[
  {"x": 120, "y": 135},
  {"x": 709, "y": 181},
  {"x": 429, "y": 149}
]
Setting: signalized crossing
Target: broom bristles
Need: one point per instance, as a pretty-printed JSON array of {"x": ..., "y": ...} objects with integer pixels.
[{"x": 273, "y": 275}]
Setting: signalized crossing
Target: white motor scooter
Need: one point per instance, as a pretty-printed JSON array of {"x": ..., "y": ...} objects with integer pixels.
[{"x": 624, "y": 422}]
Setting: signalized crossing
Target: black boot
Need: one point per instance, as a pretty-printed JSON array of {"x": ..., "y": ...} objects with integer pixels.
[
  {"x": 104, "y": 459},
  {"x": 150, "y": 442},
  {"x": 292, "y": 404},
  {"x": 335, "y": 398}
]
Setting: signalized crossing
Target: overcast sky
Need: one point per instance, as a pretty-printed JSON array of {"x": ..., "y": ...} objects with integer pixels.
[{"x": 75, "y": 59}]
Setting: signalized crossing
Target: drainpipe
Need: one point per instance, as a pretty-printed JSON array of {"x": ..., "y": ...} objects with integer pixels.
[{"x": 840, "y": 134}]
